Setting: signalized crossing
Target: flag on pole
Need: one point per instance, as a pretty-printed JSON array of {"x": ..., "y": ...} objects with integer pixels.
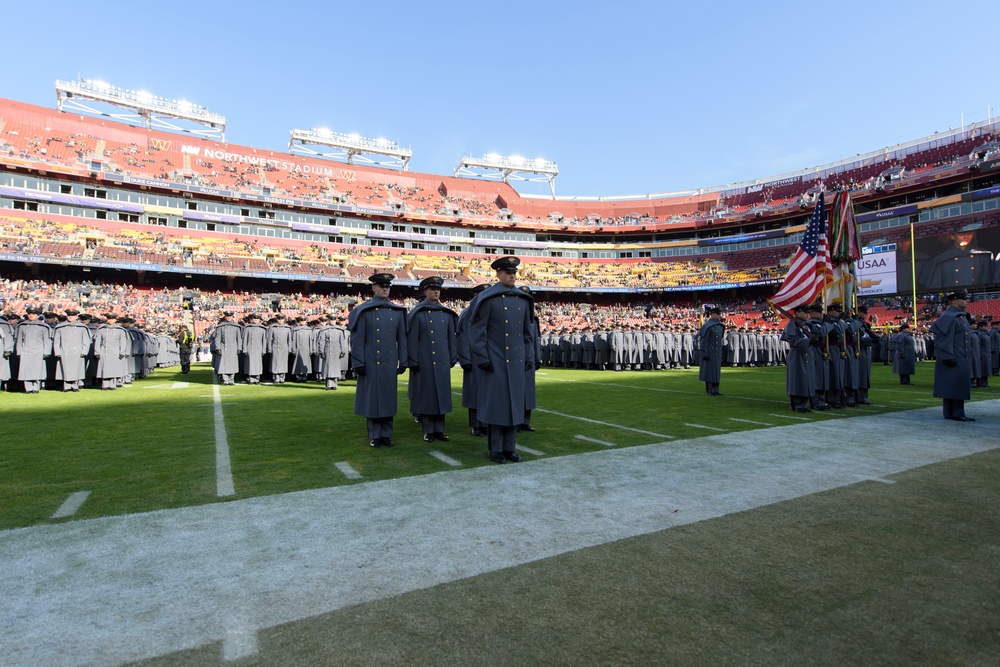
[
  {"x": 811, "y": 268},
  {"x": 845, "y": 251},
  {"x": 846, "y": 247}
]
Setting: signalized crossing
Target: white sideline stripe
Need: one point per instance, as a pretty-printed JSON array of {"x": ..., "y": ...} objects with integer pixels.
[
  {"x": 710, "y": 428},
  {"x": 533, "y": 452},
  {"x": 349, "y": 472},
  {"x": 594, "y": 421},
  {"x": 445, "y": 458},
  {"x": 801, "y": 419},
  {"x": 749, "y": 421},
  {"x": 239, "y": 643},
  {"x": 210, "y": 405},
  {"x": 71, "y": 505},
  {"x": 179, "y": 385},
  {"x": 223, "y": 468},
  {"x": 883, "y": 481},
  {"x": 600, "y": 442}
]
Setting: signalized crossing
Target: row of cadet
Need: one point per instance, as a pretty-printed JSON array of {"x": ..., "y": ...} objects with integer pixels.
[{"x": 71, "y": 351}]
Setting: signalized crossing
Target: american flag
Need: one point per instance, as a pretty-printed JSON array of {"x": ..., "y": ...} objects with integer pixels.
[{"x": 811, "y": 267}]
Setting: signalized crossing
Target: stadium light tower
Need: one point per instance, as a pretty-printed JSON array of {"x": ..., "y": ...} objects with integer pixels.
[
  {"x": 157, "y": 112},
  {"x": 502, "y": 168},
  {"x": 350, "y": 147}
]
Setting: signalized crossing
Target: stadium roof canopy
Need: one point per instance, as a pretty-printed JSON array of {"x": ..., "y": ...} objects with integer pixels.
[
  {"x": 502, "y": 168},
  {"x": 155, "y": 111},
  {"x": 350, "y": 148}
]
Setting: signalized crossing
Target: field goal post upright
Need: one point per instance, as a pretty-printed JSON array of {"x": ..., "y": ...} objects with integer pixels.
[
  {"x": 349, "y": 148},
  {"x": 495, "y": 167},
  {"x": 155, "y": 112}
]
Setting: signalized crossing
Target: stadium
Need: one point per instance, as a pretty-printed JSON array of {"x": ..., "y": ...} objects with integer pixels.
[{"x": 179, "y": 522}]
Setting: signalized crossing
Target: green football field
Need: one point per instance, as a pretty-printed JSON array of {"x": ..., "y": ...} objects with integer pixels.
[{"x": 153, "y": 445}]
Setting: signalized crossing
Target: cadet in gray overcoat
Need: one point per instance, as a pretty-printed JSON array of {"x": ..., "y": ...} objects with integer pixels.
[
  {"x": 33, "y": 345},
  {"x": 253, "y": 343},
  {"x": 711, "y": 342},
  {"x": 71, "y": 342},
  {"x": 225, "y": 347},
  {"x": 951, "y": 354},
  {"x": 112, "y": 346},
  {"x": 502, "y": 346},
  {"x": 378, "y": 355},
  {"x": 279, "y": 341},
  {"x": 905, "y": 363},
  {"x": 799, "y": 372},
  {"x": 432, "y": 344}
]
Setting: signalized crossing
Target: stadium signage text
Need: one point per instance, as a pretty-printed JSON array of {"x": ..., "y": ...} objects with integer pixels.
[{"x": 257, "y": 161}]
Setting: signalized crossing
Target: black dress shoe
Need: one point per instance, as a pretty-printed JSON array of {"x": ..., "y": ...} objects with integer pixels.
[
  {"x": 388, "y": 442},
  {"x": 428, "y": 437},
  {"x": 801, "y": 409},
  {"x": 479, "y": 432},
  {"x": 375, "y": 443},
  {"x": 497, "y": 457},
  {"x": 512, "y": 456},
  {"x": 963, "y": 418},
  {"x": 443, "y": 437},
  {"x": 528, "y": 428}
]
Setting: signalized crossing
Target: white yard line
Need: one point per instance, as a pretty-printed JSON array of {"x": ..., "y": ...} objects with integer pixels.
[
  {"x": 595, "y": 421},
  {"x": 223, "y": 467},
  {"x": 749, "y": 421},
  {"x": 72, "y": 505},
  {"x": 348, "y": 471},
  {"x": 146, "y": 585},
  {"x": 529, "y": 450},
  {"x": 444, "y": 458},
  {"x": 595, "y": 440},
  {"x": 710, "y": 428},
  {"x": 801, "y": 419}
]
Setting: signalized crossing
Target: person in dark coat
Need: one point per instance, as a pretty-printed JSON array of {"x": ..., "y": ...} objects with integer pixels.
[
  {"x": 711, "y": 342},
  {"x": 799, "y": 371},
  {"x": 432, "y": 344},
  {"x": 905, "y": 363},
  {"x": 530, "y": 395},
  {"x": 985, "y": 361},
  {"x": 185, "y": 341},
  {"x": 378, "y": 355},
  {"x": 995, "y": 348},
  {"x": 71, "y": 342},
  {"x": 470, "y": 392},
  {"x": 7, "y": 324},
  {"x": 225, "y": 347},
  {"x": 501, "y": 338},
  {"x": 951, "y": 357}
]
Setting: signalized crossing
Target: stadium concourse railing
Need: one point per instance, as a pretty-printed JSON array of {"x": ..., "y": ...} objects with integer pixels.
[{"x": 108, "y": 151}]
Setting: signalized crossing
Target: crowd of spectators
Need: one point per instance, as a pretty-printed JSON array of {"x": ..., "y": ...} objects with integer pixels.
[{"x": 82, "y": 149}]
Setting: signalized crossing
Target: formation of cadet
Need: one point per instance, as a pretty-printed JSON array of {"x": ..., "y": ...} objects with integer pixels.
[
  {"x": 313, "y": 349},
  {"x": 72, "y": 351},
  {"x": 830, "y": 357}
]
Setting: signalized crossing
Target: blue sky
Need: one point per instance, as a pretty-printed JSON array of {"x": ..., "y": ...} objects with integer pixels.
[{"x": 627, "y": 97}]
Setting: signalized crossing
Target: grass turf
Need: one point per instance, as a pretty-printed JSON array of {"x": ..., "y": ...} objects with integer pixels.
[
  {"x": 870, "y": 574},
  {"x": 151, "y": 446}
]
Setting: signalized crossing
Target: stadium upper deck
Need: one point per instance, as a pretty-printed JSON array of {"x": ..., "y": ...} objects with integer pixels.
[{"x": 117, "y": 153}]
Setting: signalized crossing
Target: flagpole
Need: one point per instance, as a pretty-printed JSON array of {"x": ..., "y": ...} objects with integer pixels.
[{"x": 913, "y": 273}]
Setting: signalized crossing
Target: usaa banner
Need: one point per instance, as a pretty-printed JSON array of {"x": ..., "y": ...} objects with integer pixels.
[{"x": 877, "y": 270}]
